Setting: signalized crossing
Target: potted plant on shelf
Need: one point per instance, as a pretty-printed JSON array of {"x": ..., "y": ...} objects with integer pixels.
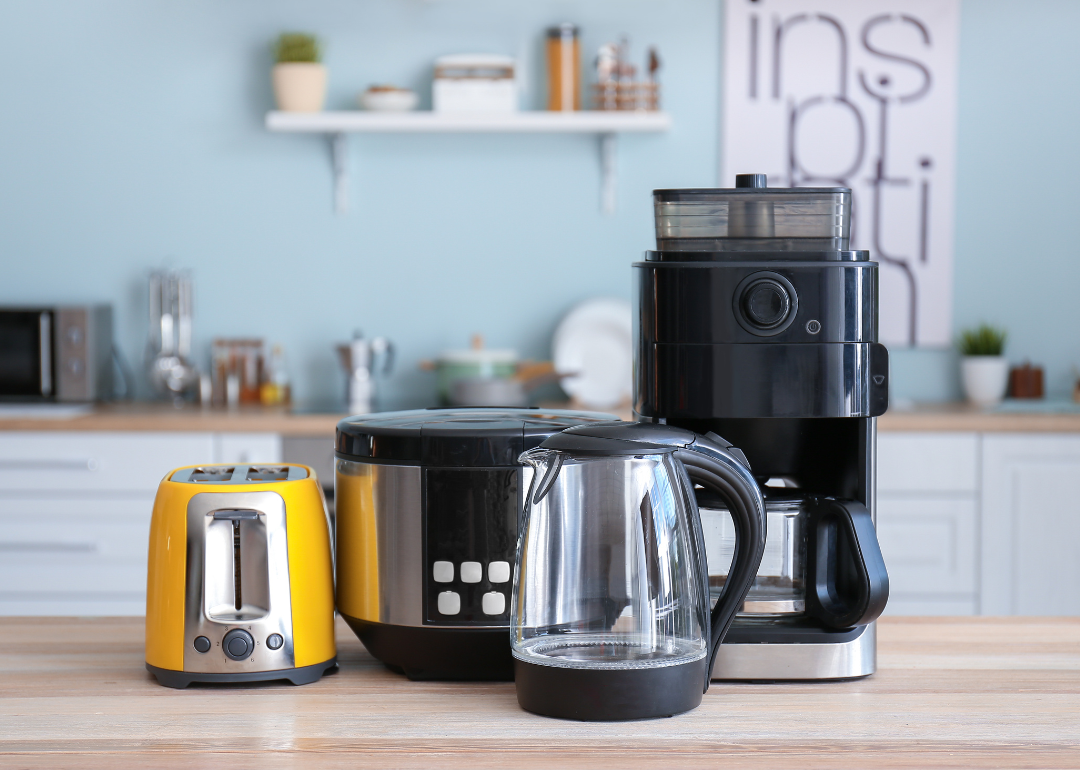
[
  {"x": 299, "y": 78},
  {"x": 984, "y": 370}
]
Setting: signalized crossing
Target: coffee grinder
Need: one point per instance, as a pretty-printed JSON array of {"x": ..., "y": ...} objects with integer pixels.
[{"x": 757, "y": 322}]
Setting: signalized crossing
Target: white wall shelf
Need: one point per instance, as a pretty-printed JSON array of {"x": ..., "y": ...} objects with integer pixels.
[{"x": 338, "y": 125}]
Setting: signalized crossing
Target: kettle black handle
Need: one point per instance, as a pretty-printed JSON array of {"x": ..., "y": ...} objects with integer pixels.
[
  {"x": 733, "y": 482},
  {"x": 847, "y": 584}
]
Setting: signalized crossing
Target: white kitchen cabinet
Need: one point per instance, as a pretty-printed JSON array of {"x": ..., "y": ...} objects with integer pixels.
[
  {"x": 247, "y": 448},
  {"x": 1030, "y": 525},
  {"x": 927, "y": 521},
  {"x": 75, "y": 512}
]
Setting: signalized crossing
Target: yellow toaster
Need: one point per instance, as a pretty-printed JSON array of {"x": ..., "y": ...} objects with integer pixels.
[{"x": 240, "y": 583}]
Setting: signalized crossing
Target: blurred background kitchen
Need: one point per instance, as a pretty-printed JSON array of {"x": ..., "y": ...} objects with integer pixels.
[{"x": 137, "y": 142}]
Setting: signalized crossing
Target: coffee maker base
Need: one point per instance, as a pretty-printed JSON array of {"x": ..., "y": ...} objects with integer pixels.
[{"x": 791, "y": 662}]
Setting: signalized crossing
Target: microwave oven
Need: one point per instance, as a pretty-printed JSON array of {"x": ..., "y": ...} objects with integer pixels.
[{"x": 56, "y": 353}]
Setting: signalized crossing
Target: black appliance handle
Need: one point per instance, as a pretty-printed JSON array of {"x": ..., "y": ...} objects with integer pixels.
[
  {"x": 847, "y": 583},
  {"x": 735, "y": 485}
]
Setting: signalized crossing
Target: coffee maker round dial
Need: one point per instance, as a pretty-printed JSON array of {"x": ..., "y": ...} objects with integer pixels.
[{"x": 765, "y": 303}]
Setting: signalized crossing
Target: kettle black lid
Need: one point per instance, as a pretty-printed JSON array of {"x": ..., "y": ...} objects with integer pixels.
[{"x": 448, "y": 438}]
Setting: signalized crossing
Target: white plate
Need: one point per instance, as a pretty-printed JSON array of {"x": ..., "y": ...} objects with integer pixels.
[{"x": 593, "y": 348}]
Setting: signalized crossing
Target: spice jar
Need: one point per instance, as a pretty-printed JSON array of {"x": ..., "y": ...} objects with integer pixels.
[{"x": 564, "y": 68}]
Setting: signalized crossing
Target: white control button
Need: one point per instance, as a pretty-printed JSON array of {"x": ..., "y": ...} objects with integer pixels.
[
  {"x": 471, "y": 572},
  {"x": 493, "y": 603},
  {"x": 442, "y": 572},
  {"x": 450, "y": 603},
  {"x": 499, "y": 571}
]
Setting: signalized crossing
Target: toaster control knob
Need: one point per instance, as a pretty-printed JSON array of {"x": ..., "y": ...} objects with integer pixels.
[
  {"x": 202, "y": 644},
  {"x": 238, "y": 644},
  {"x": 274, "y": 641}
]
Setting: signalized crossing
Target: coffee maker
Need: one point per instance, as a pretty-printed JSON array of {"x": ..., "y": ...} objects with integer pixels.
[{"x": 758, "y": 323}]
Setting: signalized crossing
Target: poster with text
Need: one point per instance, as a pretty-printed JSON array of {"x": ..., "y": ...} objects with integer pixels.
[{"x": 859, "y": 94}]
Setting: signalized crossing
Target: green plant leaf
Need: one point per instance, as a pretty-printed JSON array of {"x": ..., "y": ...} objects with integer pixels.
[
  {"x": 984, "y": 340},
  {"x": 297, "y": 47}
]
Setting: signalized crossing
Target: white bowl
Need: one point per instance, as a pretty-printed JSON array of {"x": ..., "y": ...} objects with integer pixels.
[{"x": 389, "y": 101}]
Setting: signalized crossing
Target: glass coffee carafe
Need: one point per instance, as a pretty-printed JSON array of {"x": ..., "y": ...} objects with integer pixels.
[
  {"x": 821, "y": 559},
  {"x": 610, "y": 613}
]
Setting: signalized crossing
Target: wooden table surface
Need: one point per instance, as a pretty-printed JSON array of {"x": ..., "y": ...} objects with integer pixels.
[
  {"x": 163, "y": 417},
  {"x": 972, "y": 692}
]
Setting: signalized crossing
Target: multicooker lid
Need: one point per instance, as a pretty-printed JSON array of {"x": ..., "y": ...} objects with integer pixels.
[{"x": 461, "y": 438}]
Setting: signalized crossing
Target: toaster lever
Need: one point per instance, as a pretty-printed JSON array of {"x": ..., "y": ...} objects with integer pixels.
[{"x": 241, "y": 515}]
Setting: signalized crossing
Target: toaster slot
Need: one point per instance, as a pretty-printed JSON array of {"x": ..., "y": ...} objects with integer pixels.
[
  {"x": 211, "y": 474},
  {"x": 267, "y": 473},
  {"x": 237, "y": 580}
]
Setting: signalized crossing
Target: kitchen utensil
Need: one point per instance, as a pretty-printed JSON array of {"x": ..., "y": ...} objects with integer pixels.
[
  {"x": 170, "y": 367},
  {"x": 56, "y": 353},
  {"x": 474, "y": 83},
  {"x": 593, "y": 351},
  {"x": 564, "y": 68},
  {"x": 1026, "y": 381},
  {"x": 475, "y": 362},
  {"x": 610, "y": 615},
  {"x": 807, "y": 535},
  {"x": 427, "y": 520},
  {"x": 488, "y": 391},
  {"x": 240, "y": 582},
  {"x": 388, "y": 99},
  {"x": 238, "y": 371},
  {"x": 758, "y": 322},
  {"x": 365, "y": 361}
]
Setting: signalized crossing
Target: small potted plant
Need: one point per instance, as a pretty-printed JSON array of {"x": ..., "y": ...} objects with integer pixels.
[
  {"x": 984, "y": 370},
  {"x": 299, "y": 77}
]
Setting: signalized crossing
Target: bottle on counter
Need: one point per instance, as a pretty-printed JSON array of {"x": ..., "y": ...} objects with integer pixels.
[
  {"x": 564, "y": 68},
  {"x": 275, "y": 390}
]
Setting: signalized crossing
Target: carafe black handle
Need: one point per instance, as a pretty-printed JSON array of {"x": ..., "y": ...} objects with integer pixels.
[
  {"x": 847, "y": 584},
  {"x": 721, "y": 473}
]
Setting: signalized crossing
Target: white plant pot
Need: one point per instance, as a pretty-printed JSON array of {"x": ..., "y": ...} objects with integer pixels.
[
  {"x": 985, "y": 378},
  {"x": 299, "y": 86}
]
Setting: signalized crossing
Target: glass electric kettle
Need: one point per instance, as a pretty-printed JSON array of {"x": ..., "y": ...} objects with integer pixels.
[{"x": 610, "y": 610}]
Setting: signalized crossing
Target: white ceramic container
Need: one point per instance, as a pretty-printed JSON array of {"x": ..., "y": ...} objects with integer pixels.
[{"x": 985, "y": 378}]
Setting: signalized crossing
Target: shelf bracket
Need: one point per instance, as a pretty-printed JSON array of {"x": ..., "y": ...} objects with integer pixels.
[
  {"x": 339, "y": 157},
  {"x": 607, "y": 172}
]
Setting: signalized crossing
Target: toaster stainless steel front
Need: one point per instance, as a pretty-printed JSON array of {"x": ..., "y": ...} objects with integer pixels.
[{"x": 237, "y": 578}]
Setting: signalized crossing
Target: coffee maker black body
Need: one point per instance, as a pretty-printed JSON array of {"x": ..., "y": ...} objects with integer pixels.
[{"x": 757, "y": 322}]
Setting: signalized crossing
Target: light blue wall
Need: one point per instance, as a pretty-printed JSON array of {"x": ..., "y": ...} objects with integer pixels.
[{"x": 132, "y": 137}]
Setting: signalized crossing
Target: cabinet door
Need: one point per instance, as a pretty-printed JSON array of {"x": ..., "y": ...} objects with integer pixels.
[
  {"x": 67, "y": 556},
  {"x": 925, "y": 463},
  {"x": 1031, "y": 525},
  {"x": 930, "y": 552},
  {"x": 247, "y": 448},
  {"x": 96, "y": 462}
]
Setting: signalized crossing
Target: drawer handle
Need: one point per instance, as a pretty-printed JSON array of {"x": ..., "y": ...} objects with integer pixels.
[
  {"x": 49, "y": 465},
  {"x": 30, "y": 547}
]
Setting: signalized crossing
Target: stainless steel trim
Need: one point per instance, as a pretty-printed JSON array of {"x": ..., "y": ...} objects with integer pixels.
[
  {"x": 278, "y": 615},
  {"x": 239, "y": 474},
  {"x": 45, "y": 346},
  {"x": 799, "y": 661},
  {"x": 773, "y": 607}
]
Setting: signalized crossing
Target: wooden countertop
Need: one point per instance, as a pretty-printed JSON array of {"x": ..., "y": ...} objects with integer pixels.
[
  {"x": 140, "y": 416},
  {"x": 162, "y": 417},
  {"x": 971, "y": 692}
]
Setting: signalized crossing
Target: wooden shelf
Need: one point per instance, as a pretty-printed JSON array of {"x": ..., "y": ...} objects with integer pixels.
[{"x": 338, "y": 125}]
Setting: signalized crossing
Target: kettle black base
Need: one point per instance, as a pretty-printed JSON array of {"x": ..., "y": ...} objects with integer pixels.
[{"x": 606, "y": 695}]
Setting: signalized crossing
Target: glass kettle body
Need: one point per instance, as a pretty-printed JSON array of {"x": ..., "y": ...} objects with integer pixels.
[{"x": 610, "y": 610}]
